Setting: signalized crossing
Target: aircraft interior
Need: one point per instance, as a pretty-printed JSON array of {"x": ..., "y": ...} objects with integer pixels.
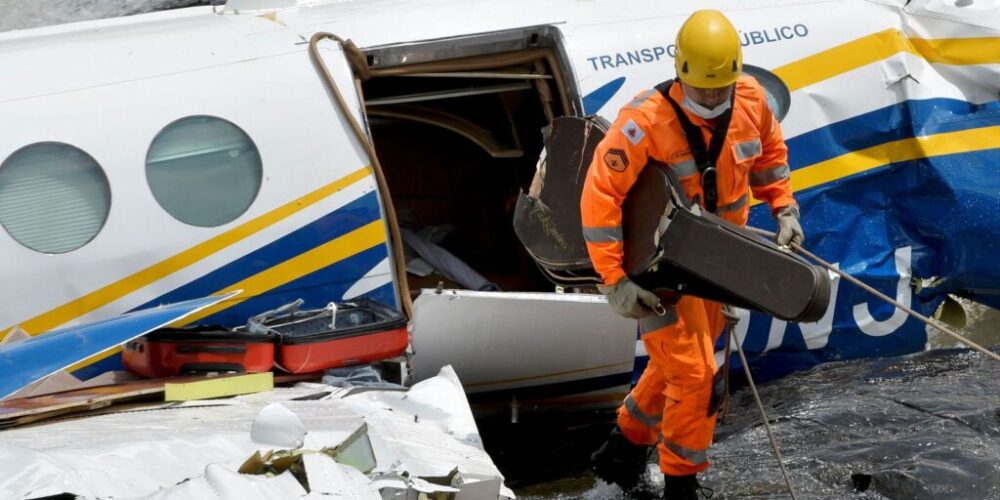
[{"x": 458, "y": 139}]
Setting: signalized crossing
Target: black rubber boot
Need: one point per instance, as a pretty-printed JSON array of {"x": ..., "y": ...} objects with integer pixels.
[
  {"x": 619, "y": 461},
  {"x": 684, "y": 488}
]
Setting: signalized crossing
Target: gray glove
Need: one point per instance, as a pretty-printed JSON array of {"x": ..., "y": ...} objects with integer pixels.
[
  {"x": 630, "y": 300},
  {"x": 789, "y": 230}
]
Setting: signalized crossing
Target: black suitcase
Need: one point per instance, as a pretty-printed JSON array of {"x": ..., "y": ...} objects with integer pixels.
[{"x": 669, "y": 242}]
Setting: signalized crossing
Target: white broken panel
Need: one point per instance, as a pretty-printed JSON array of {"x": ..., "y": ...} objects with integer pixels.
[
  {"x": 148, "y": 454},
  {"x": 355, "y": 451},
  {"x": 278, "y": 426},
  {"x": 333, "y": 480},
  {"x": 427, "y": 431},
  {"x": 220, "y": 483},
  {"x": 399, "y": 487}
]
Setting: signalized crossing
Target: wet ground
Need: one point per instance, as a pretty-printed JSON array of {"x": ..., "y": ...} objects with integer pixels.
[{"x": 924, "y": 426}]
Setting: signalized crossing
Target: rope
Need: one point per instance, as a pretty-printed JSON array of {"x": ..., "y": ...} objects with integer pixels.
[
  {"x": 383, "y": 187},
  {"x": 763, "y": 414},
  {"x": 729, "y": 313},
  {"x": 930, "y": 322},
  {"x": 746, "y": 367}
]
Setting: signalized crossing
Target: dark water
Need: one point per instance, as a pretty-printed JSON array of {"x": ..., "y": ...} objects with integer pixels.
[{"x": 923, "y": 426}]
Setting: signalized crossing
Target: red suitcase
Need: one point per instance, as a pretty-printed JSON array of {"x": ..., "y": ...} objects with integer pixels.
[
  {"x": 169, "y": 352},
  {"x": 364, "y": 331}
]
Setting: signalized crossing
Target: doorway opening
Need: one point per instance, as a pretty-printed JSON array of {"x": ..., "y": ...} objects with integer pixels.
[{"x": 458, "y": 128}]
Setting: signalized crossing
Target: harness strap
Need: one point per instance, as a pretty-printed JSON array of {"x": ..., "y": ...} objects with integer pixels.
[{"x": 705, "y": 158}]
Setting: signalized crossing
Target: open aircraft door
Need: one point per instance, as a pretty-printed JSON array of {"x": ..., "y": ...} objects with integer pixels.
[
  {"x": 338, "y": 62},
  {"x": 526, "y": 349},
  {"x": 458, "y": 127}
]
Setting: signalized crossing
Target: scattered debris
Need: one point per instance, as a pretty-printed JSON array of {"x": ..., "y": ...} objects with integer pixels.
[
  {"x": 307, "y": 441},
  {"x": 217, "y": 387}
]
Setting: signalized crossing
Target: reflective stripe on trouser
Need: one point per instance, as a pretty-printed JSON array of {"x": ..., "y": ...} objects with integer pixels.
[
  {"x": 640, "y": 422},
  {"x": 639, "y": 416},
  {"x": 678, "y": 382}
]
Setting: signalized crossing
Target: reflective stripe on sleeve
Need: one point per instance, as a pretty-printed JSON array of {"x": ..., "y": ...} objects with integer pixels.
[
  {"x": 684, "y": 168},
  {"x": 635, "y": 103},
  {"x": 634, "y": 410},
  {"x": 773, "y": 174},
  {"x": 734, "y": 206},
  {"x": 747, "y": 150},
  {"x": 696, "y": 457},
  {"x": 650, "y": 324},
  {"x": 602, "y": 234}
]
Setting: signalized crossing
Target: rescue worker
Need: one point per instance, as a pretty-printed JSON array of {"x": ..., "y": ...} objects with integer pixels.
[{"x": 670, "y": 405}]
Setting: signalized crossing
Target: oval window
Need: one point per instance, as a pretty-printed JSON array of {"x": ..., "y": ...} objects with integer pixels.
[
  {"x": 54, "y": 197},
  {"x": 778, "y": 96},
  {"x": 203, "y": 170}
]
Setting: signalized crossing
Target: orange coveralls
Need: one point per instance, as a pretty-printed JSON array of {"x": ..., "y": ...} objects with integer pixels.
[{"x": 671, "y": 401}]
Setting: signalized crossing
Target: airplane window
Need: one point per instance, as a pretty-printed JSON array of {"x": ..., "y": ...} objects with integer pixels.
[
  {"x": 54, "y": 198},
  {"x": 778, "y": 96},
  {"x": 203, "y": 170}
]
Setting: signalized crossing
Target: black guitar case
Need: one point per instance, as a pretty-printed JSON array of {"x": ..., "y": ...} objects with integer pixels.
[{"x": 670, "y": 243}]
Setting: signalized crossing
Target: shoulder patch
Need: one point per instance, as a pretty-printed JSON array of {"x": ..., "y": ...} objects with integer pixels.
[
  {"x": 633, "y": 132},
  {"x": 616, "y": 160}
]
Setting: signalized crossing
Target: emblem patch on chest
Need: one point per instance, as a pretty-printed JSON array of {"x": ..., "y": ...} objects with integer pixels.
[
  {"x": 633, "y": 132},
  {"x": 616, "y": 160},
  {"x": 681, "y": 156}
]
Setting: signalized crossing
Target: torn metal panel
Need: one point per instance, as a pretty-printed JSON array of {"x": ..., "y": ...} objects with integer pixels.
[
  {"x": 57, "y": 382},
  {"x": 220, "y": 483},
  {"x": 333, "y": 480},
  {"x": 356, "y": 451},
  {"x": 19, "y": 411},
  {"x": 172, "y": 452},
  {"x": 28, "y": 361}
]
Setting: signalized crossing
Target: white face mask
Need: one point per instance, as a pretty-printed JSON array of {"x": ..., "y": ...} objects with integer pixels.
[{"x": 702, "y": 111}]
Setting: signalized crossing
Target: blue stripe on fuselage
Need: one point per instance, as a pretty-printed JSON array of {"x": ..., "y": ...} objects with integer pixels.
[
  {"x": 316, "y": 289},
  {"x": 892, "y": 123},
  {"x": 594, "y": 101},
  {"x": 333, "y": 225}
]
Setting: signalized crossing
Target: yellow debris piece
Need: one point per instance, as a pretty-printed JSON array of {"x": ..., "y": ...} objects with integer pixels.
[{"x": 219, "y": 387}]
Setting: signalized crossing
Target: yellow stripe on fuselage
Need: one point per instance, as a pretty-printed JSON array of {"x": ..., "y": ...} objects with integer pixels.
[
  {"x": 962, "y": 141},
  {"x": 350, "y": 244},
  {"x": 875, "y": 47},
  {"x": 331, "y": 252},
  {"x": 114, "y": 291}
]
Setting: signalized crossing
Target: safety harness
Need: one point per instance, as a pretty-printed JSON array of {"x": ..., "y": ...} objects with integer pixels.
[{"x": 704, "y": 158}]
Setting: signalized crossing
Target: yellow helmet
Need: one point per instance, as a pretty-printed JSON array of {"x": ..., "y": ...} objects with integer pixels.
[{"x": 708, "y": 51}]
